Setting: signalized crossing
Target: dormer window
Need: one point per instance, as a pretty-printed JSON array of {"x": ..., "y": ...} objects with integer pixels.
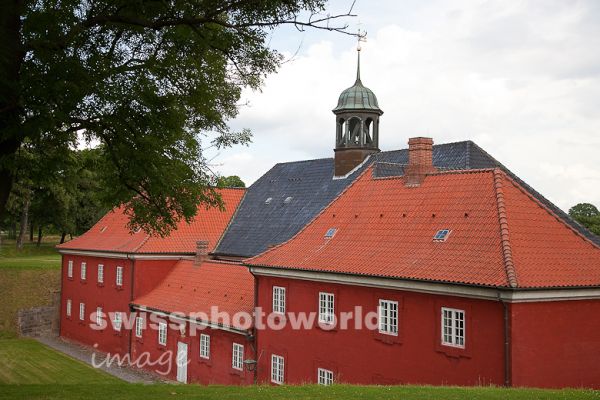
[
  {"x": 288, "y": 200},
  {"x": 269, "y": 200}
]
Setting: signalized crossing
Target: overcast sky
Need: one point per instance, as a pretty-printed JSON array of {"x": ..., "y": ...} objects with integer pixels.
[{"x": 520, "y": 78}]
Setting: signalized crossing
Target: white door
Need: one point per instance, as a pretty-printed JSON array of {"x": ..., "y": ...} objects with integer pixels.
[{"x": 182, "y": 362}]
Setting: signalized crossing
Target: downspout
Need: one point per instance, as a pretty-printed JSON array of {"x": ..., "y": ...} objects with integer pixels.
[
  {"x": 507, "y": 343},
  {"x": 60, "y": 297},
  {"x": 254, "y": 329},
  {"x": 132, "y": 264}
]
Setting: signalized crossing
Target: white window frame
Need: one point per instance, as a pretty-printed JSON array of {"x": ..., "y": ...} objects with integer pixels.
[
  {"x": 205, "y": 346},
  {"x": 162, "y": 333},
  {"x": 388, "y": 317},
  {"x": 70, "y": 269},
  {"x": 100, "y": 273},
  {"x": 82, "y": 311},
  {"x": 324, "y": 377},
  {"x": 99, "y": 315},
  {"x": 326, "y": 308},
  {"x": 119, "y": 277},
  {"x": 117, "y": 320},
  {"x": 237, "y": 357},
  {"x": 69, "y": 306},
  {"x": 83, "y": 270},
  {"x": 278, "y": 300},
  {"x": 453, "y": 327},
  {"x": 139, "y": 326},
  {"x": 277, "y": 369}
]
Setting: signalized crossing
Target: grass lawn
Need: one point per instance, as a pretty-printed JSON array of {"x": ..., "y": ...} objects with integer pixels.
[
  {"x": 26, "y": 361},
  {"x": 336, "y": 392},
  {"x": 27, "y": 279}
]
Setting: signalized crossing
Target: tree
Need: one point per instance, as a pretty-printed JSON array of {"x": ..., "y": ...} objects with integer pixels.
[
  {"x": 232, "y": 181},
  {"x": 145, "y": 79},
  {"x": 587, "y": 215}
]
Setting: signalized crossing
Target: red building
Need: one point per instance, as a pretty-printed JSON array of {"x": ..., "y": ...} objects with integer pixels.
[
  {"x": 472, "y": 281},
  {"x": 107, "y": 267},
  {"x": 428, "y": 265}
]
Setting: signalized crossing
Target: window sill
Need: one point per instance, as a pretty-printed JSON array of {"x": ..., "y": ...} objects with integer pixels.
[
  {"x": 100, "y": 284},
  {"x": 205, "y": 361},
  {"x": 119, "y": 287},
  {"x": 237, "y": 372},
  {"x": 387, "y": 338},
  {"x": 327, "y": 327}
]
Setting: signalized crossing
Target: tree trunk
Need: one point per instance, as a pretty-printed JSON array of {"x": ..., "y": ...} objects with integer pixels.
[
  {"x": 39, "y": 242},
  {"x": 11, "y": 57},
  {"x": 31, "y": 232},
  {"x": 62, "y": 237},
  {"x": 24, "y": 218},
  {"x": 12, "y": 233}
]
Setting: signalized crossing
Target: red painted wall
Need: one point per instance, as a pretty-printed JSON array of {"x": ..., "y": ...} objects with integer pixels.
[
  {"x": 107, "y": 295},
  {"x": 149, "y": 273},
  {"x": 556, "y": 344},
  {"x": 146, "y": 274},
  {"x": 216, "y": 370},
  {"x": 367, "y": 357}
]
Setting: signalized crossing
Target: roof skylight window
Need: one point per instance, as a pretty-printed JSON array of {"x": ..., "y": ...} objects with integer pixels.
[
  {"x": 441, "y": 235},
  {"x": 268, "y": 201},
  {"x": 288, "y": 200},
  {"x": 330, "y": 233}
]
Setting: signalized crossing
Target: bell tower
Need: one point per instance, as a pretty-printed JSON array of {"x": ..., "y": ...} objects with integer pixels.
[{"x": 357, "y": 125}]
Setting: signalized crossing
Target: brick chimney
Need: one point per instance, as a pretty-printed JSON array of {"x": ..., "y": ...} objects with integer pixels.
[
  {"x": 201, "y": 252},
  {"x": 420, "y": 160}
]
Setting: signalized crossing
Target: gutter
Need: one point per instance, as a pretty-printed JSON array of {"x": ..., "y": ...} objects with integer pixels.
[{"x": 247, "y": 334}]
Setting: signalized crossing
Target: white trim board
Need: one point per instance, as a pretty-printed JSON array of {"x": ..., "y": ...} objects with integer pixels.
[
  {"x": 485, "y": 293},
  {"x": 131, "y": 256},
  {"x": 194, "y": 321}
]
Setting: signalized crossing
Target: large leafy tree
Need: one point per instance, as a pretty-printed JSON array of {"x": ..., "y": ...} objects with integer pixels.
[
  {"x": 143, "y": 78},
  {"x": 587, "y": 215}
]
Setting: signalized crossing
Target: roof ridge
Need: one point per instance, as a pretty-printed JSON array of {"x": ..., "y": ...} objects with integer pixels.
[
  {"x": 369, "y": 168},
  {"x": 135, "y": 249},
  {"x": 548, "y": 210},
  {"x": 504, "y": 231},
  {"x": 237, "y": 207}
]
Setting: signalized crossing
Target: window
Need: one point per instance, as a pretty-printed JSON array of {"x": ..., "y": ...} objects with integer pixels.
[
  {"x": 204, "y": 346},
  {"x": 139, "y": 326},
  {"x": 453, "y": 327},
  {"x": 99, "y": 316},
  {"x": 388, "y": 317},
  {"x": 70, "y": 269},
  {"x": 326, "y": 308},
  {"x": 119, "y": 279},
  {"x": 441, "y": 235},
  {"x": 330, "y": 233},
  {"x": 68, "y": 307},
  {"x": 100, "y": 273},
  {"x": 288, "y": 200},
  {"x": 278, "y": 299},
  {"x": 162, "y": 333},
  {"x": 237, "y": 357},
  {"x": 325, "y": 376},
  {"x": 268, "y": 200},
  {"x": 277, "y": 368},
  {"x": 83, "y": 271},
  {"x": 81, "y": 311},
  {"x": 117, "y": 321}
]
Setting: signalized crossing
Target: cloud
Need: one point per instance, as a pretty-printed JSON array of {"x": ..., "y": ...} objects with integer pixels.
[{"x": 522, "y": 79}]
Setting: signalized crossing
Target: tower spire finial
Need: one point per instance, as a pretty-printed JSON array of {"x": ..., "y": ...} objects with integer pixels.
[{"x": 362, "y": 37}]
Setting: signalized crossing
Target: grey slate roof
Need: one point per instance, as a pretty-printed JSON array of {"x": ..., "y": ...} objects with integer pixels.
[{"x": 257, "y": 225}]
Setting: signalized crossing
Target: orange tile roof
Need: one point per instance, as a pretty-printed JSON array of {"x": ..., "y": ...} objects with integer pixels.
[
  {"x": 500, "y": 235},
  {"x": 111, "y": 233},
  {"x": 194, "y": 289}
]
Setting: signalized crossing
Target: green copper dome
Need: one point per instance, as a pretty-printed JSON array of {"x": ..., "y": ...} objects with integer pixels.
[{"x": 358, "y": 97}]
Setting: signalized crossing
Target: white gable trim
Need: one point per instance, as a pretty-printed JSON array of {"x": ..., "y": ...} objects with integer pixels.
[{"x": 485, "y": 293}]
